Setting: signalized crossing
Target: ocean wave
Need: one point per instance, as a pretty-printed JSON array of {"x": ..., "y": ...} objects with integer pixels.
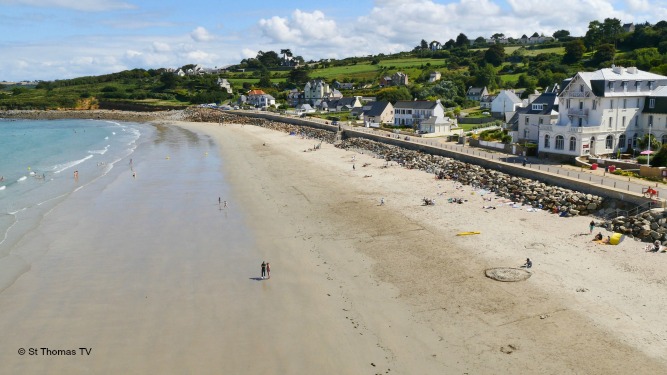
[
  {"x": 62, "y": 167},
  {"x": 99, "y": 152},
  {"x": 22, "y": 179},
  {"x": 2, "y": 187}
]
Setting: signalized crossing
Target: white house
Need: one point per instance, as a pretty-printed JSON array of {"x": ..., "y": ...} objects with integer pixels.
[
  {"x": 606, "y": 111},
  {"x": 412, "y": 113},
  {"x": 318, "y": 90},
  {"x": 260, "y": 99},
  {"x": 437, "y": 125},
  {"x": 476, "y": 93},
  {"x": 434, "y": 77},
  {"x": 541, "y": 111},
  {"x": 224, "y": 84},
  {"x": 506, "y": 101}
]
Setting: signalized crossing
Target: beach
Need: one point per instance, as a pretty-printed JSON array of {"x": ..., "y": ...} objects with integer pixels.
[{"x": 154, "y": 276}]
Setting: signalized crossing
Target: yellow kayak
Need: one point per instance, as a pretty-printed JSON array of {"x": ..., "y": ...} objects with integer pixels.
[{"x": 467, "y": 233}]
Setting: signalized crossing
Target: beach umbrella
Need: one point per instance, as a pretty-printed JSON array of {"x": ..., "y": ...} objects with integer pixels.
[{"x": 646, "y": 152}]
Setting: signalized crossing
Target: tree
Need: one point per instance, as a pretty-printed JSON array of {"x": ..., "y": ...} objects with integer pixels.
[
  {"x": 394, "y": 94},
  {"x": 450, "y": 44},
  {"x": 497, "y": 36},
  {"x": 535, "y": 35},
  {"x": 647, "y": 58},
  {"x": 462, "y": 40},
  {"x": 574, "y": 51},
  {"x": 479, "y": 42},
  {"x": 495, "y": 55},
  {"x": 168, "y": 80},
  {"x": 561, "y": 34},
  {"x": 298, "y": 77},
  {"x": 423, "y": 44},
  {"x": 269, "y": 59},
  {"x": 604, "y": 54}
]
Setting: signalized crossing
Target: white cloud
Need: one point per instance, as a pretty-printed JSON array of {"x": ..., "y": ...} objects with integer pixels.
[
  {"x": 161, "y": 47},
  {"x": 81, "y": 5},
  {"x": 200, "y": 34}
]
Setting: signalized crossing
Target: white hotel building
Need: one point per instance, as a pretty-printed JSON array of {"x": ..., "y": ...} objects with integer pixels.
[{"x": 604, "y": 111}]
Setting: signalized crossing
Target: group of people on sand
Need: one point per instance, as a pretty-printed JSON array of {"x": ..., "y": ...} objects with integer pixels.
[{"x": 266, "y": 270}]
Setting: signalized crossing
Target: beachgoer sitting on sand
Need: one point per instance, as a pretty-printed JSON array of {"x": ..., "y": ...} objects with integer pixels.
[
  {"x": 598, "y": 237},
  {"x": 607, "y": 240},
  {"x": 528, "y": 264},
  {"x": 656, "y": 246},
  {"x": 489, "y": 207}
]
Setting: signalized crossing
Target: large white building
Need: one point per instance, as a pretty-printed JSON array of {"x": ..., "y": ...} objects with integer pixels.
[
  {"x": 606, "y": 111},
  {"x": 413, "y": 113}
]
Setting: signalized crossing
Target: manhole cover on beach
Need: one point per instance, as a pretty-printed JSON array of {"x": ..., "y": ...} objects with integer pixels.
[{"x": 507, "y": 274}]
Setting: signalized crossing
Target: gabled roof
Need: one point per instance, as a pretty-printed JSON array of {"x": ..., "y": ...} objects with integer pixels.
[
  {"x": 376, "y": 109},
  {"x": 548, "y": 101},
  {"x": 416, "y": 104},
  {"x": 510, "y": 95},
  {"x": 256, "y": 92},
  {"x": 475, "y": 90}
]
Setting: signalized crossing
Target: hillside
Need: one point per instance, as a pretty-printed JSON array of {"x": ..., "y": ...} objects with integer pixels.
[{"x": 461, "y": 63}]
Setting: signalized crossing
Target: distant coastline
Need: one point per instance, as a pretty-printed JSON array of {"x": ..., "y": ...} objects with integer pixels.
[{"x": 90, "y": 114}]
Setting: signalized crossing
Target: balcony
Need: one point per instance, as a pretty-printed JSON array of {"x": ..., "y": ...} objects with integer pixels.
[
  {"x": 584, "y": 129},
  {"x": 577, "y": 112},
  {"x": 578, "y": 94}
]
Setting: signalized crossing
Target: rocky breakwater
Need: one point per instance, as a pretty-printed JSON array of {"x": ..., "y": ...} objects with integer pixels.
[
  {"x": 649, "y": 226},
  {"x": 197, "y": 114},
  {"x": 520, "y": 190}
]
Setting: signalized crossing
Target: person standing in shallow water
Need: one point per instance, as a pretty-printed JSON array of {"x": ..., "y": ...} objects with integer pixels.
[
  {"x": 591, "y": 226},
  {"x": 268, "y": 270},
  {"x": 263, "y": 269}
]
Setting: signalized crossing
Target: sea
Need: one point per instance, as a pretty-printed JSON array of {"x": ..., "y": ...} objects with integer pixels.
[{"x": 44, "y": 161}]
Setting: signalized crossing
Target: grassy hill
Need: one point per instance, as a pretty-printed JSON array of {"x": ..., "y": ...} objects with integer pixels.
[{"x": 529, "y": 67}]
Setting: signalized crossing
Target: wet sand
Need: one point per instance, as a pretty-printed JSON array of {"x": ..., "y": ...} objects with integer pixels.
[{"x": 152, "y": 275}]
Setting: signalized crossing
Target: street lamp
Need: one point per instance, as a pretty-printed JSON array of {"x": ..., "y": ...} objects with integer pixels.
[{"x": 648, "y": 155}]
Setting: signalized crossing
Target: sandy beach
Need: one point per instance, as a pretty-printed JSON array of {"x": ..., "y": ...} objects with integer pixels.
[{"x": 154, "y": 276}]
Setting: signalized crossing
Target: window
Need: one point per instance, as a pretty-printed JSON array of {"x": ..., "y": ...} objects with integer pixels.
[
  {"x": 625, "y": 103},
  {"x": 634, "y": 141},
  {"x": 538, "y": 107},
  {"x": 638, "y": 85},
  {"x": 567, "y": 104},
  {"x": 560, "y": 142},
  {"x": 609, "y": 142},
  {"x": 541, "y": 121},
  {"x": 595, "y": 104},
  {"x": 573, "y": 143},
  {"x": 624, "y": 85},
  {"x": 636, "y": 121},
  {"x": 581, "y": 105},
  {"x": 610, "y": 86},
  {"x": 525, "y": 133},
  {"x": 611, "y": 119},
  {"x": 611, "y": 104},
  {"x": 526, "y": 120},
  {"x": 650, "y": 120},
  {"x": 651, "y": 103},
  {"x": 650, "y": 85},
  {"x": 581, "y": 88},
  {"x": 547, "y": 141},
  {"x": 581, "y": 121},
  {"x": 663, "y": 140},
  {"x": 621, "y": 140},
  {"x": 623, "y": 124}
]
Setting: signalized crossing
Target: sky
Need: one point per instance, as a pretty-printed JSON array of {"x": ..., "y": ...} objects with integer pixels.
[{"x": 60, "y": 39}]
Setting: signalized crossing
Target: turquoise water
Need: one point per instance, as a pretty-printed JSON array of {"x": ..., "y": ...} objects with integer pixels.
[{"x": 42, "y": 161}]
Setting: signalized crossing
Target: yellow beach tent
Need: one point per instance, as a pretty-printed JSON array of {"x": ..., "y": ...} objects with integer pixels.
[{"x": 615, "y": 239}]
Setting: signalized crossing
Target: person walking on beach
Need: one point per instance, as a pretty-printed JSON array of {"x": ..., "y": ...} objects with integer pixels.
[
  {"x": 263, "y": 269},
  {"x": 224, "y": 204},
  {"x": 268, "y": 270},
  {"x": 382, "y": 201},
  {"x": 591, "y": 226}
]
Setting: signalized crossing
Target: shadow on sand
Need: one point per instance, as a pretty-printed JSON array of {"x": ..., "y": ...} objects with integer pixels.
[{"x": 258, "y": 278}]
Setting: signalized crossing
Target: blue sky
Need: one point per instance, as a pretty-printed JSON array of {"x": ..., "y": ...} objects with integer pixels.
[{"x": 57, "y": 39}]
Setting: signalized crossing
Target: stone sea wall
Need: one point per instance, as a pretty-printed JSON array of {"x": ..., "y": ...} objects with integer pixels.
[{"x": 520, "y": 190}]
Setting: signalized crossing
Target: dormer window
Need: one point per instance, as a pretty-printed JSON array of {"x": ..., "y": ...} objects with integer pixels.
[
  {"x": 651, "y": 84},
  {"x": 581, "y": 88},
  {"x": 624, "y": 85},
  {"x": 610, "y": 86},
  {"x": 638, "y": 85},
  {"x": 651, "y": 103},
  {"x": 538, "y": 107}
]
